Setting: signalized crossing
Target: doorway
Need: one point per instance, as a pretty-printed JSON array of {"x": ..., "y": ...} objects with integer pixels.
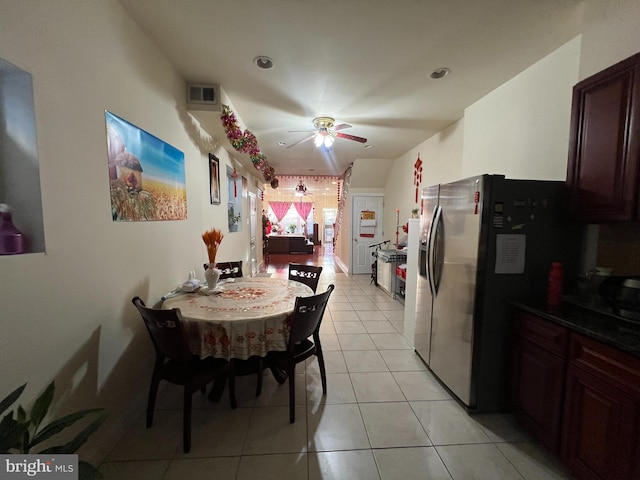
[
  {"x": 328, "y": 221},
  {"x": 366, "y": 225}
]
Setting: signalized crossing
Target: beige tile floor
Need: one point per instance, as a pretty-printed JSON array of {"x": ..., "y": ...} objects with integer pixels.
[{"x": 384, "y": 417}]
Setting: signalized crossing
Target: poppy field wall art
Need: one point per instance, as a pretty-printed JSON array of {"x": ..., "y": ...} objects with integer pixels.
[{"x": 146, "y": 175}]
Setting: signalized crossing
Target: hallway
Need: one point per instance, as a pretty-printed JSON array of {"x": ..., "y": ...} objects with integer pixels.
[{"x": 384, "y": 415}]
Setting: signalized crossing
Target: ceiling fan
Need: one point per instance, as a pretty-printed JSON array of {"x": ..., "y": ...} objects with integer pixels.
[{"x": 326, "y": 132}]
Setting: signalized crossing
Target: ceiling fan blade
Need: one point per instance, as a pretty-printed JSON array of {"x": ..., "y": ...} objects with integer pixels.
[
  {"x": 342, "y": 126},
  {"x": 305, "y": 139},
  {"x": 298, "y": 131},
  {"x": 351, "y": 137}
]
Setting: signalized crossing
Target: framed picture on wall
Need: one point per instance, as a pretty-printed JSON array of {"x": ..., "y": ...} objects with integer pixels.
[
  {"x": 146, "y": 175},
  {"x": 214, "y": 179}
]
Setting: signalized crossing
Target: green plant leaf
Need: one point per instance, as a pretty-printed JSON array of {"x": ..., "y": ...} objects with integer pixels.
[
  {"x": 41, "y": 405},
  {"x": 60, "y": 424},
  {"x": 12, "y": 397},
  {"x": 11, "y": 432},
  {"x": 21, "y": 415}
]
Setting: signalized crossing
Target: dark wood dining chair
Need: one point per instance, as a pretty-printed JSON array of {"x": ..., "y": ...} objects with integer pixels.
[
  {"x": 307, "y": 274},
  {"x": 176, "y": 364},
  {"x": 305, "y": 323},
  {"x": 230, "y": 269}
]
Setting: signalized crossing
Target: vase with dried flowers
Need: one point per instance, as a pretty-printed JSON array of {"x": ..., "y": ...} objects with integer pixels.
[{"x": 212, "y": 239}]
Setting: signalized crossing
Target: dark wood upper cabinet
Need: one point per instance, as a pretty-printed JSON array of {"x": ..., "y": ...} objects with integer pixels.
[{"x": 604, "y": 151}]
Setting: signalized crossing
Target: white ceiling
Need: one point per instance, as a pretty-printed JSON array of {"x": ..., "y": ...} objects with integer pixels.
[{"x": 364, "y": 62}]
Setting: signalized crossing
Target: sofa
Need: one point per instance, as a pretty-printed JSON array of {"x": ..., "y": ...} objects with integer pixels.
[{"x": 288, "y": 244}]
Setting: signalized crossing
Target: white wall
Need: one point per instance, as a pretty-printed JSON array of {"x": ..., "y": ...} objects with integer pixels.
[
  {"x": 611, "y": 33},
  {"x": 441, "y": 157},
  {"x": 67, "y": 313},
  {"x": 521, "y": 129}
]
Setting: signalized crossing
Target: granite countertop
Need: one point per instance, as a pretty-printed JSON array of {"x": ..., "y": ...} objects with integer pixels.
[{"x": 592, "y": 319}]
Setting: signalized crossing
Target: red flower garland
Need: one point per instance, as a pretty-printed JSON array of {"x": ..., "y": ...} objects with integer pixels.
[{"x": 246, "y": 142}]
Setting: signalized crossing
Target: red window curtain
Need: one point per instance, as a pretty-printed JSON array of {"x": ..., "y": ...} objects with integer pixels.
[
  {"x": 303, "y": 209},
  {"x": 280, "y": 209}
]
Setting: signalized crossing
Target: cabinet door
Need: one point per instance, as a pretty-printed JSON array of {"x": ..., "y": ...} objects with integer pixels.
[
  {"x": 600, "y": 431},
  {"x": 605, "y": 144},
  {"x": 537, "y": 391}
]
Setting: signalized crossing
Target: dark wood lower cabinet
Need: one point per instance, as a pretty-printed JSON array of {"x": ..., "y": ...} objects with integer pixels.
[
  {"x": 601, "y": 427},
  {"x": 595, "y": 444},
  {"x": 578, "y": 397},
  {"x": 537, "y": 391}
]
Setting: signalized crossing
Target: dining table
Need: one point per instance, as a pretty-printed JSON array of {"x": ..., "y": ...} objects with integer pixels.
[{"x": 240, "y": 318}]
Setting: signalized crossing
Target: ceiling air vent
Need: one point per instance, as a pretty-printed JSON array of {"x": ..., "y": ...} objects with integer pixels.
[{"x": 203, "y": 97}]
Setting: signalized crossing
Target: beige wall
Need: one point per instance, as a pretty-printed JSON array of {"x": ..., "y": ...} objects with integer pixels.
[
  {"x": 67, "y": 313},
  {"x": 611, "y": 33},
  {"x": 521, "y": 129}
]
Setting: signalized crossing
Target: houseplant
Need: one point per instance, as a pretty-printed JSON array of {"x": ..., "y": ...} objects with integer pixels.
[{"x": 21, "y": 432}]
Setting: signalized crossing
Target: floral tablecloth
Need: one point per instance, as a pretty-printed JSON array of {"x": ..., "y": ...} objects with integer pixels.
[{"x": 243, "y": 318}]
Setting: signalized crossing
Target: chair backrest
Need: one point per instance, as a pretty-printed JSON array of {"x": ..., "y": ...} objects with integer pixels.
[
  {"x": 230, "y": 269},
  {"x": 166, "y": 331},
  {"x": 307, "y": 316},
  {"x": 307, "y": 274}
]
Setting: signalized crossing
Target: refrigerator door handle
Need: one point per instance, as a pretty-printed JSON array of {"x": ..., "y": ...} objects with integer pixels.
[{"x": 431, "y": 251}]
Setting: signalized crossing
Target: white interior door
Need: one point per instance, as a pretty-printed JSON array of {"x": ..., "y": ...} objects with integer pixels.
[{"x": 361, "y": 258}]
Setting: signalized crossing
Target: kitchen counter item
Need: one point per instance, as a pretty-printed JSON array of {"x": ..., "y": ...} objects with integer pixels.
[
  {"x": 593, "y": 320},
  {"x": 622, "y": 294}
]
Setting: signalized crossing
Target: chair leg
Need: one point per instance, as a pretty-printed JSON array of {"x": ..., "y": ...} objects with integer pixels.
[
  {"x": 186, "y": 419},
  {"x": 323, "y": 373},
  {"x": 291, "y": 373},
  {"x": 151, "y": 402}
]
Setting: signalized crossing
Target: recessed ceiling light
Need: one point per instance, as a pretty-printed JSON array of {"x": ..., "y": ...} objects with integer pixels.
[
  {"x": 439, "y": 73},
  {"x": 281, "y": 143},
  {"x": 263, "y": 62}
]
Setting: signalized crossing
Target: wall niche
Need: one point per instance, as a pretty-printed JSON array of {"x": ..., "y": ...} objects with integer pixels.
[{"x": 19, "y": 163}]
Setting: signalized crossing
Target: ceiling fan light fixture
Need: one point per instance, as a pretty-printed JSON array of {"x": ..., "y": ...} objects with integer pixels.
[
  {"x": 328, "y": 141},
  {"x": 300, "y": 190},
  {"x": 318, "y": 140}
]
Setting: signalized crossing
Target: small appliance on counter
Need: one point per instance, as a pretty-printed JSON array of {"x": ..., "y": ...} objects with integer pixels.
[{"x": 622, "y": 294}]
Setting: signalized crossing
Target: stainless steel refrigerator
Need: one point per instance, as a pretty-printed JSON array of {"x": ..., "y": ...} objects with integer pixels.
[{"x": 484, "y": 242}]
